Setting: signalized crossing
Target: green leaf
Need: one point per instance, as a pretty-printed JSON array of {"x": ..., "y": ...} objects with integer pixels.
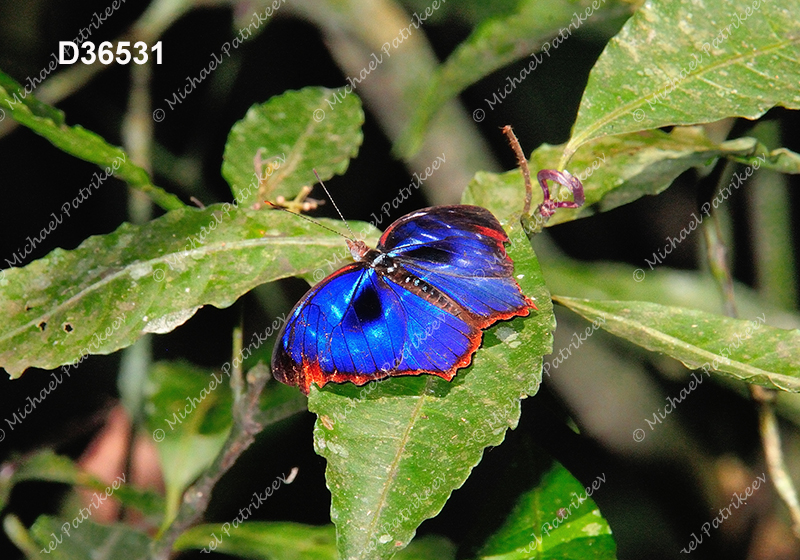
[
  {"x": 682, "y": 62},
  {"x": 298, "y": 131},
  {"x": 36, "y": 107},
  {"x": 115, "y": 288},
  {"x": 79, "y": 142},
  {"x": 189, "y": 415},
  {"x": 429, "y": 547},
  {"x": 781, "y": 160},
  {"x": 556, "y": 520},
  {"x": 397, "y": 448},
  {"x": 497, "y": 42},
  {"x": 18, "y": 534},
  {"x": 749, "y": 351},
  {"x": 63, "y": 540},
  {"x": 471, "y": 12},
  {"x": 46, "y": 465},
  {"x": 664, "y": 285},
  {"x": 614, "y": 170},
  {"x": 261, "y": 540}
]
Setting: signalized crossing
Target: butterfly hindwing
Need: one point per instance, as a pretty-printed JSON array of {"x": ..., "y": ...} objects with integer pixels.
[{"x": 436, "y": 340}]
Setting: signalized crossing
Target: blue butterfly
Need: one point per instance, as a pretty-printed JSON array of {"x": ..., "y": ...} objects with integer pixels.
[{"x": 416, "y": 304}]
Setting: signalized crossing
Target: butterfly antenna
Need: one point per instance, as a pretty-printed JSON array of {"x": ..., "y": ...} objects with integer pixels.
[
  {"x": 334, "y": 204},
  {"x": 306, "y": 218}
]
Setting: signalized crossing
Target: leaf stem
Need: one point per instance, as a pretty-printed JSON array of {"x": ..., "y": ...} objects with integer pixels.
[
  {"x": 237, "y": 379},
  {"x": 522, "y": 162},
  {"x": 717, "y": 260},
  {"x": 771, "y": 441}
]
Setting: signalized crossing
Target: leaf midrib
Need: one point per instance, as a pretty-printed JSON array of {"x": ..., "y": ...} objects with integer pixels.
[
  {"x": 752, "y": 371},
  {"x": 395, "y": 466},
  {"x": 296, "y": 153},
  {"x": 205, "y": 250}
]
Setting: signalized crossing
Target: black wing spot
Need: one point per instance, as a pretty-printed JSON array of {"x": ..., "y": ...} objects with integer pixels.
[
  {"x": 68, "y": 327},
  {"x": 367, "y": 305},
  {"x": 430, "y": 254},
  {"x": 42, "y": 326}
]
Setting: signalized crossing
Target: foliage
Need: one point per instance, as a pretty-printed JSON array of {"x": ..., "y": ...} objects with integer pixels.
[{"x": 397, "y": 449}]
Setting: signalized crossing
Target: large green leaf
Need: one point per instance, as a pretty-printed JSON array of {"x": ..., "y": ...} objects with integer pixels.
[
  {"x": 80, "y": 539},
  {"x": 46, "y": 465},
  {"x": 556, "y": 520},
  {"x": 292, "y": 541},
  {"x": 396, "y": 449},
  {"x": 620, "y": 169},
  {"x": 114, "y": 288},
  {"x": 667, "y": 286},
  {"x": 76, "y": 140},
  {"x": 686, "y": 62},
  {"x": 297, "y": 132},
  {"x": 498, "y": 42},
  {"x": 750, "y": 351},
  {"x": 189, "y": 416}
]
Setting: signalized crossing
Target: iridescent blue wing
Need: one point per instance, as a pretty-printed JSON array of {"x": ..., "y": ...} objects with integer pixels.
[
  {"x": 460, "y": 251},
  {"x": 418, "y": 305},
  {"x": 358, "y": 325}
]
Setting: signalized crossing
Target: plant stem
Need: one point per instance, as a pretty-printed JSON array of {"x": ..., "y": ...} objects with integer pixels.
[
  {"x": 137, "y": 140},
  {"x": 770, "y": 211},
  {"x": 246, "y": 424},
  {"x": 771, "y": 441},
  {"x": 763, "y": 397}
]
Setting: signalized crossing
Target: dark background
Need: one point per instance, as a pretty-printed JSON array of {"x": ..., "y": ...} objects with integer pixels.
[{"x": 652, "y": 503}]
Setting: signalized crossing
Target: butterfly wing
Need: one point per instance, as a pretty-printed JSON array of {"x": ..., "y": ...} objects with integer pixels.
[
  {"x": 327, "y": 336},
  {"x": 357, "y": 325},
  {"x": 460, "y": 251}
]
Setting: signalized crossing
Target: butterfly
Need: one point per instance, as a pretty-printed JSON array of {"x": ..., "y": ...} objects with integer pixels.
[{"x": 418, "y": 303}]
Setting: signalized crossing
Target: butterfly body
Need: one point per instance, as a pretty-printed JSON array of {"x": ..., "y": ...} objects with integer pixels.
[{"x": 416, "y": 304}]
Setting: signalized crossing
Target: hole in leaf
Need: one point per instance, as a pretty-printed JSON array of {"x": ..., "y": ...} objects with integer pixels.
[{"x": 68, "y": 327}]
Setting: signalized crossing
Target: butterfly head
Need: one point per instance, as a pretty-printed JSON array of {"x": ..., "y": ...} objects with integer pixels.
[{"x": 358, "y": 249}]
